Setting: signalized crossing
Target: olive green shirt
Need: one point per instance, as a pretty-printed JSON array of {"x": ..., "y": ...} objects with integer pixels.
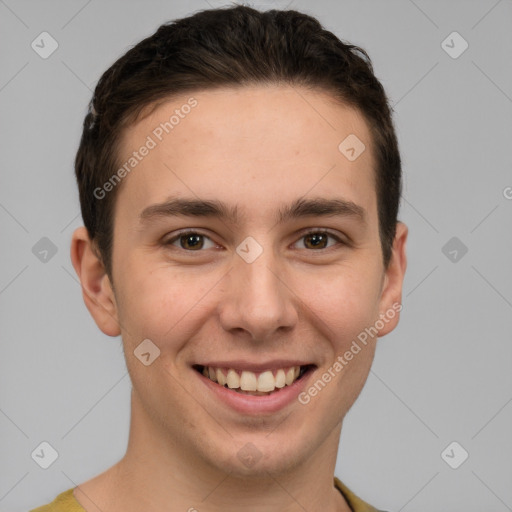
[{"x": 66, "y": 502}]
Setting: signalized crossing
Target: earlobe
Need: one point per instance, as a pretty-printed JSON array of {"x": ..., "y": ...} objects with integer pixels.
[
  {"x": 96, "y": 287},
  {"x": 391, "y": 297}
]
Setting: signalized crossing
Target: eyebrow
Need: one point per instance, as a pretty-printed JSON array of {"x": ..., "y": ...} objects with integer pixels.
[{"x": 315, "y": 207}]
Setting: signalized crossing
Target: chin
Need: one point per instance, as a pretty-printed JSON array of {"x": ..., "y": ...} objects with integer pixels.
[{"x": 258, "y": 456}]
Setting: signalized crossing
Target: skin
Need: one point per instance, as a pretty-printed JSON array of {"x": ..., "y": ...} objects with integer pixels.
[{"x": 258, "y": 147}]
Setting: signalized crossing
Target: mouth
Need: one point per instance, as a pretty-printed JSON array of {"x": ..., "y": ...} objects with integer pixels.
[{"x": 245, "y": 382}]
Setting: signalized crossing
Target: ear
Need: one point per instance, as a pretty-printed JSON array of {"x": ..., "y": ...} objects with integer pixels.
[
  {"x": 96, "y": 287},
  {"x": 391, "y": 296}
]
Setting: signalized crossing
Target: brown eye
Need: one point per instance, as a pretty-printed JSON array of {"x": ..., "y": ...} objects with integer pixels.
[
  {"x": 189, "y": 241},
  {"x": 318, "y": 239}
]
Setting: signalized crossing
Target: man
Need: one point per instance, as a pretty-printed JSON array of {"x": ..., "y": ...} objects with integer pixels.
[{"x": 239, "y": 180}]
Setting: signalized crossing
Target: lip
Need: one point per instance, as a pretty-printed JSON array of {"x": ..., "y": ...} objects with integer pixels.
[
  {"x": 242, "y": 365},
  {"x": 257, "y": 405}
]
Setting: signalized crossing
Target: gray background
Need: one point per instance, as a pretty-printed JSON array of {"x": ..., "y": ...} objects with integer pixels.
[{"x": 443, "y": 375}]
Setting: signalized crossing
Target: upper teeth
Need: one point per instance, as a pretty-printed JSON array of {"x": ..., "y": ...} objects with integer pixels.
[{"x": 249, "y": 381}]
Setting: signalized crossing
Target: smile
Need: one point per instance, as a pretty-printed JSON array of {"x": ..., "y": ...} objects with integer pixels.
[{"x": 248, "y": 382}]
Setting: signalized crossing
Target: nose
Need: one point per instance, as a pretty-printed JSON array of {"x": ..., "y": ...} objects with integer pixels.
[{"x": 257, "y": 300}]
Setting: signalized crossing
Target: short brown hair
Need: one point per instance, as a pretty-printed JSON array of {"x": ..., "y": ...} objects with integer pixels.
[{"x": 233, "y": 46}]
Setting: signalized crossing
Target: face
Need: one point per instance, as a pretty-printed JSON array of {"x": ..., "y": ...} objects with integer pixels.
[{"x": 290, "y": 276}]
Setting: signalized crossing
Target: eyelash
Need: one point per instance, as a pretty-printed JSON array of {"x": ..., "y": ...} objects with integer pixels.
[{"x": 312, "y": 231}]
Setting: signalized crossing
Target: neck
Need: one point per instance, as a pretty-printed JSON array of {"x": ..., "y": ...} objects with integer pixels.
[{"x": 158, "y": 471}]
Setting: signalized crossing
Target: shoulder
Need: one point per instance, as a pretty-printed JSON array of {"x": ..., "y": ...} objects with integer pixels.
[
  {"x": 355, "y": 503},
  {"x": 64, "y": 502}
]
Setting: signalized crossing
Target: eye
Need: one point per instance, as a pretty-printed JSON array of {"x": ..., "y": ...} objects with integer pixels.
[
  {"x": 189, "y": 240},
  {"x": 317, "y": 239},
  {"x": 194, "y": 241}
]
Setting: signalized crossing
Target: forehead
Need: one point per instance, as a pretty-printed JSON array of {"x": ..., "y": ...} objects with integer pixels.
[{"x": 265, "y": 142}]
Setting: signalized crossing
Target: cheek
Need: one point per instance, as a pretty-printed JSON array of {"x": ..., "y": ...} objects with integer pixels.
[
  {"x": 162, "y": 304},
  {"x": 344, "y": 301},
  {"x": 166, "y": 303}
]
